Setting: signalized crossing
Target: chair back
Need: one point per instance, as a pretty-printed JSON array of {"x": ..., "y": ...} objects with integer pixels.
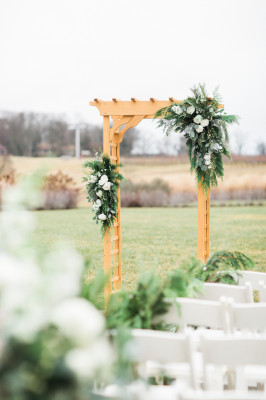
[
  {"x": 240, "y": 294},
  {"x": 253, "y": 277},
  {"x": 201, "y": 313},
  {"x": 248, "y": 317},
  {"x": 232, "y": 352}
]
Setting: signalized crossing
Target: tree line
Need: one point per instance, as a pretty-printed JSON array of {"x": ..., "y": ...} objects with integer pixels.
[{"x": 34, "y": 134}]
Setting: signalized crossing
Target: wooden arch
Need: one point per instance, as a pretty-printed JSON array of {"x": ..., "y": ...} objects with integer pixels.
[{"x": 126, "y": 115}]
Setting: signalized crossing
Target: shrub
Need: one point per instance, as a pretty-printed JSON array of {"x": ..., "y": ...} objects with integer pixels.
[
  {"x": 6, "y": 180},
  {"x": 153, "y": 194},
  {"x": 59, "y": 191}
]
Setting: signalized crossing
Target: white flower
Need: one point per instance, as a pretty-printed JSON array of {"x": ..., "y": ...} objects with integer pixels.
[
  {"x": 99, "y": 193},
  {"x": 96, "y": 358},
  {"x": 102, "y": 217},
  {"x": 99, "y": 174},
  {"x": 207, "y": 157},
  {"x": 216, "y": 147},
  {"x": 98, "y": 202},
  {"x": 103, "y": 180},
  {"x": 177, "y": 109},
  {"x": 191, "y": 110},
  {"x": 63, "y": 269},
  {"x": 107, "y": 186},
  {"x": 204, "y": 122},
  {"x": 199, "y": 129},
  {"x": 197, "y": 119},
  {"x": 92, "y": 179},
  {"x": 95, "y": 207},
  {"x": 207, "y": 162},
  {"x": 78, "y": 320}
]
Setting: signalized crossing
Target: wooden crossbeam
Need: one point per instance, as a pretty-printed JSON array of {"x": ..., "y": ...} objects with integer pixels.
[{"x": 132, "y": 107}]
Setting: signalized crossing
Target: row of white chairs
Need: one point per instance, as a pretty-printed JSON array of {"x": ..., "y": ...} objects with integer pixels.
[
  {"x": 225, "y": 315},
  {"x": 139, "y": 391},
  {"x": 247, "y": 282},
  {"x": 236, "y": 362}
]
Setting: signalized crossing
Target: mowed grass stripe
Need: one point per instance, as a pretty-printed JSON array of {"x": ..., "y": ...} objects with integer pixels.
[{"x": 160, "y": 238}]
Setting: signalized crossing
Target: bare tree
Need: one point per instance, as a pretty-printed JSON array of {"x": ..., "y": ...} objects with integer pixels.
[
  {"x": 239, "y": 139},
  {"x": 261, "y": 147}
]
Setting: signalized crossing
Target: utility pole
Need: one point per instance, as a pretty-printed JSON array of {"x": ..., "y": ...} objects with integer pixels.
[
  {"x": 77, "y": 141},
  {"x": 76, "y": 129}
]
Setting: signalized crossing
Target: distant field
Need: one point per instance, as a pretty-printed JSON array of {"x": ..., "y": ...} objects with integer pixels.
[
  {"x": 245, "y": 174},
  {"x": 161, "y": 238}
]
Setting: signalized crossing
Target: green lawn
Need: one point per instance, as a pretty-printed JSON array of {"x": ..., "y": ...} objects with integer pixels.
[{"x": 157, "y": 237}]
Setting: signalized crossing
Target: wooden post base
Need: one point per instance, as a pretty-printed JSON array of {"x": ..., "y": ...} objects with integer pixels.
[{"x": 203, "y": 241}]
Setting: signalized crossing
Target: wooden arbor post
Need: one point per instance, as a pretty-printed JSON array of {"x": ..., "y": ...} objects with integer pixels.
[{"x": 126, "y": 115}]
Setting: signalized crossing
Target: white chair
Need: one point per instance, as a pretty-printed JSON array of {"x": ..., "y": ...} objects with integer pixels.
[
  {"x": 240, "y": 294},
  {"x": 254, "y": 277},
  {"x": 262, "y": 290},
  {"x": 237, "y": 356},
  {"x": 164, "y": 353},
  {"x": 248, "y": 317},
  {"x": 221, "y": 395},
  {"x": 200, "y": 313}
]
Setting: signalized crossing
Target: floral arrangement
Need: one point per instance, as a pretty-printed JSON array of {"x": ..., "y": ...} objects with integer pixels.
[
  {"x": 53, "y": 342},
  {"x": 204, "y": 124},
  {"x": 102, "y": 184}
]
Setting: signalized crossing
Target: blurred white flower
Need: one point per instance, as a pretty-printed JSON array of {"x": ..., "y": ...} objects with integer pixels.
[
  {"x": 92, "y": 179},
  {"x": 102, "y": 217},
  {"x": 107, "y": 186},
  {"x": 62, "y": 274},
  {"x": 22, "y": 196},
  {"x": 207, "y": 157},
  {"x": 99, "y": 193},
  {"x": 216, "y": 146},
  {"x": 199, "y": 129},
  {"x": 87, "y": 361},
  {"x": 79, "y": 320},
  {"x": 204, "y": 122},
  {"x": 15, "y": 227},
  {"x": 103, "y": 180},
  {"x": 177, "y": 109},
  {"x": 95, "y": 207},
  {"x": 191, "y": 110},
  {"x": 197, "y": 119},
  {"x": 98, "y": 202}
]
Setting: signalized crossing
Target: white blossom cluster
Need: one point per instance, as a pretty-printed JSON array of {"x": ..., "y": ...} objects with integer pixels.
[
  {"x": 36, "y": 292},
  {"x": 103, "y": 184},
  {"x": 199, "y": 124}
]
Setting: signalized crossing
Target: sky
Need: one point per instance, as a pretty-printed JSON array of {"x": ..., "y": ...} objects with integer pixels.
[{"x": 57, "y": 55}]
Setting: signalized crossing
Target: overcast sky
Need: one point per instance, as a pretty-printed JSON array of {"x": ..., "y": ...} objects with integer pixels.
[{"x": 57, "y": 55}]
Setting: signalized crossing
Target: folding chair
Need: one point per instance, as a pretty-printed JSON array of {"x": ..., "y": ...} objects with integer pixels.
[
  {"x": 164, "y": 353},
  {"x": 240, "y": 294},
  {"x": 253, "y": 277},
  {"x": 222, "y": 395},
  {"x": 186, "y": 312},
  {"x": 248, "y": 317},
  {"x": 244, "y": 359},
  {"x": 262, "y": 290}
]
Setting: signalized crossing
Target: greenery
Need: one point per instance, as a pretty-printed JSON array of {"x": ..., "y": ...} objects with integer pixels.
[
  {"x": 221, "y": 267},
  {"x": 140, "y": 307},
  {"x": 204, "y": 125},
  {"x": 37, "y": 370},
  {"x": 102, "y": 184}
]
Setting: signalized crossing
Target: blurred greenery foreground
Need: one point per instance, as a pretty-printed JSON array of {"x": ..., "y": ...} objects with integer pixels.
[{"x": 54, "y": 343}]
